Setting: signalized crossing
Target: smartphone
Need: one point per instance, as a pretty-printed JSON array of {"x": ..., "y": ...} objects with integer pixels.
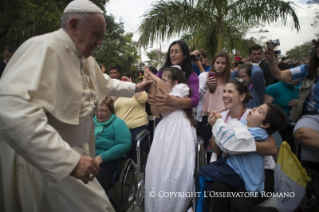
[
  {"x": 212, "y": 74},
  {"x": 123, "y": 79}
]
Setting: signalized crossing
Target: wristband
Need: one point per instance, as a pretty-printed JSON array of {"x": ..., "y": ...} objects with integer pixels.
[{"x": 271, "y": 63}]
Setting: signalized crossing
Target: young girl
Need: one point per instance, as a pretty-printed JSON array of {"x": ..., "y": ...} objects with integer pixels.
[
  {"x": 171, "y": 161},
  {"x": 211, "y": 86}
]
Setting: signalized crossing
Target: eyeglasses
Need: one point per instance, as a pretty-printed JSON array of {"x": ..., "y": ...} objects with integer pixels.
[
  {"x": 177, "y": 51},
  {"x": 102, "y": 111}
]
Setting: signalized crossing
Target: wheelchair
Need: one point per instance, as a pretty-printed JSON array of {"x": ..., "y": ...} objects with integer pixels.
[{"x": 127, "y": 191}]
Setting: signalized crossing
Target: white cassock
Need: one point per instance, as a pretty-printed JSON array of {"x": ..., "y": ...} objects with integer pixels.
[{"x": 46, "y": 97}]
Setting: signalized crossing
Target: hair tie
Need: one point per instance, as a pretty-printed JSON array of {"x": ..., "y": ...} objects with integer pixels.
[{"x": 176, "y": 66}]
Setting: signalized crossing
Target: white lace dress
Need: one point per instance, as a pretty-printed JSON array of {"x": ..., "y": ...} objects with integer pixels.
[{"x": 171, "y": 162}]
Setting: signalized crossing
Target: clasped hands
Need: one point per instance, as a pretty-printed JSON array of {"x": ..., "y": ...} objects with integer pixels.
[{"x": 213, "y": 116}]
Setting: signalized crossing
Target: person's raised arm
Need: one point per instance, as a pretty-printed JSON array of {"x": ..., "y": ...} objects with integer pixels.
[{"x": 276, "y": 73}]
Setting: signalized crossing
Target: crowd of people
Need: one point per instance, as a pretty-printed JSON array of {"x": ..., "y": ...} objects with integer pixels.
[{"x": 65, "y": 128}]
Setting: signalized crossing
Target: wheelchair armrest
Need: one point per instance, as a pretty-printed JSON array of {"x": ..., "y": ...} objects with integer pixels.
[{"x": 142, "y": 135}]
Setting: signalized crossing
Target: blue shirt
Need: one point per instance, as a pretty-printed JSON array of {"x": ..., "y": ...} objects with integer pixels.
[
  {"x": 250, "y": 166},
  {"x": 197, "y": 70},
  {"x": 312, "y": 101},
  {"x": 257, "y": 87}
]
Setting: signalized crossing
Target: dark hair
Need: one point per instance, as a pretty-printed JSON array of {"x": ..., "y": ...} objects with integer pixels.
[
  {"x": 276, "y": 118},
  {"x": 126, "y": 75},
  {"x": 108, "y": 102},
  {"x": 203, "y": 53},
  {"x": 186, "y": 64},
  {"x": 10, "y": 48},
  {"x": 226, "y": 72},
  {"x": 114, "y": 67},
  {"x": 255, "y": 47},
  {"x": 238, "y": 62},
  {"x": 242, "y": 88},
  {"x": 152, "y": 69},
  {"x": 247, "y": 68},
  {"x": 177, "y": 74},
  {"x": 313, "y": 63}
]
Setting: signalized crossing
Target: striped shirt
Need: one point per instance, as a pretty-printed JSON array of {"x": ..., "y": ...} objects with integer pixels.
[{"x": 312, "y": 101}]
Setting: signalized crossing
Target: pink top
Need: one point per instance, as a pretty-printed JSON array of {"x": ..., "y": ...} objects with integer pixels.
[{"x": 213, "y": 101}]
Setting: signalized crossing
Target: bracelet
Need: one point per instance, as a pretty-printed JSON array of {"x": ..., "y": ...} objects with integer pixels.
[{"x": 271, "y": 63}]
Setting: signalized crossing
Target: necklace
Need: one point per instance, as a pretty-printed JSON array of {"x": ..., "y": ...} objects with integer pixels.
[{"x": 227, "y": 116}]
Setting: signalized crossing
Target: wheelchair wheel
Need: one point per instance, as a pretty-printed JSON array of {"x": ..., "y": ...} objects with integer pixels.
[
  {"x": 122, "y": 194},
  {"x": 129, "y": 187}
]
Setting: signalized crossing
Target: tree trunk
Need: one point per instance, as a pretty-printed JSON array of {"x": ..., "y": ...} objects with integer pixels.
[{"x": 220, "y": 41}]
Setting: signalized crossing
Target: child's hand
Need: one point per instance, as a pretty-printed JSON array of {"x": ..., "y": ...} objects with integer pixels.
[
  {"x": 216, "y": 114},
  {"x": 213, "y": 116}
]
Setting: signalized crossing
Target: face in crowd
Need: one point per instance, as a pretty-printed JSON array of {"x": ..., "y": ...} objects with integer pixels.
[
  {"x": 255, "y": 55},
  {"x": 167, "y": 82},
  {"x": 176, "y": 54},
  {"x": 204, "y": 60},
  {"x": 103, "y": 114},
  {"x": 242, "y": 74},
  {"x": 114, "y": 74},
  {"x": 257, "y": 115},
  {"x": 220, "y": 65},
  {"x": 231, "y": 97},
  {"x": 7, "y": 55},
  {"x": 88, "y": 35}
]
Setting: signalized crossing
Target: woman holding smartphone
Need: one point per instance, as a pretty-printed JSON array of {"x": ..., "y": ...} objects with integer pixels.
[{"x": 211, "y": 86}]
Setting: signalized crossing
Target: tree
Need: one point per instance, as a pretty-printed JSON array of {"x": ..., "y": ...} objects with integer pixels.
[
  {"x": 118, "y": 48},
  {"x": 155, "y": 57},
  {"x": 300, "y": 52},
  {"x": 212, "y": 23},
  {"x": 23, "y": 19},
  {"x": 315, "y": 23}
]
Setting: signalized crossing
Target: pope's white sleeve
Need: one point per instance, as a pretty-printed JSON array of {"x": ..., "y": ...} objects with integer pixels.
[{"x": 24, "y": 127}]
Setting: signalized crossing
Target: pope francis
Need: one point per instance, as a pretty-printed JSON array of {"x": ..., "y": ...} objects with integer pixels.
[{"x": 48, "y": 92}]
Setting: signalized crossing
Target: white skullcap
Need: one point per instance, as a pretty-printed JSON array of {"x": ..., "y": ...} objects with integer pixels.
[{"x": 82, "y": 6}]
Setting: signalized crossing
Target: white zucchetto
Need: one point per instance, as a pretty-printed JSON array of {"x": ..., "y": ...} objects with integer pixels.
[{"x": 82, "y": 6}]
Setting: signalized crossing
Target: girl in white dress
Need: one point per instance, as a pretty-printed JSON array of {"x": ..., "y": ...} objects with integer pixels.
[{"x": 171, "y": 161}]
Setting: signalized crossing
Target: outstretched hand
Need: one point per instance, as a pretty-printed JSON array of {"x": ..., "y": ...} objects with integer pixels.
[
  {"x": 85, "y": 167},
  {"x": 144, "y": 85}
]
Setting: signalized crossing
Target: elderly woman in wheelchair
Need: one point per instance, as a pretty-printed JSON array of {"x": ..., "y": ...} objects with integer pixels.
[{"x": 112, "y": 141}]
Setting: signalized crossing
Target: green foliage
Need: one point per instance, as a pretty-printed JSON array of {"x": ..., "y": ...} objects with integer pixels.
[
  {"x": 213, "y": 25},
  {"x": 300, "y": 52},
  {"x": 118, "y": 49},
  {"x": 155, "y": 57},
  {"x": 23, "y": 19}
]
